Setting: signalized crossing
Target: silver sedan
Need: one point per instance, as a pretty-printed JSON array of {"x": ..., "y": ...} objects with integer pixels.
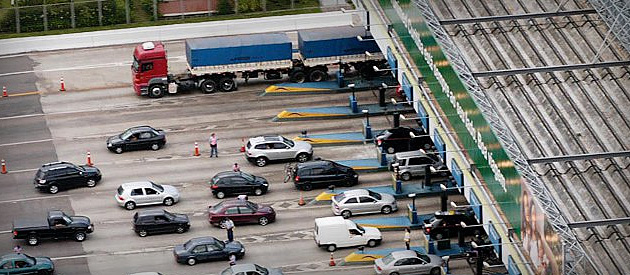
[
  {"x": 408, "y": 262},
  {"x": 362, "y": 201}
]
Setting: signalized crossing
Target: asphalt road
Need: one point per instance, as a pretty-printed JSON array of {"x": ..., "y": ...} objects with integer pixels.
[{"x": 53, "y": 125}]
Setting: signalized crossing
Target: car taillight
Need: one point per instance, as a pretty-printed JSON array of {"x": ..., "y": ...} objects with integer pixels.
[
  {"x": 214, "y": 186},
  {"x": 379, "y": 142},
  {"x": 14, "y": 232},
  {"x": 120, "y": 198},
  {"x": 427, "y": 230},
  {"x": 379, "y": 268},
  {"x": 337, "y": 207},
  {"x": 297, "y": 178}
]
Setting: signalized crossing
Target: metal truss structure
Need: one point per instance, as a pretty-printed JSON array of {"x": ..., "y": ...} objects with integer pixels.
[
  {"x": 616, "y": 14},
  {"x": 574, "y": 252}
]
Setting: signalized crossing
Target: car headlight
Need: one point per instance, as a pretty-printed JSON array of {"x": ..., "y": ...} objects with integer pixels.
[
  {"x": 109, "y": 144},
  {"x": 265, "y": 184},
  {"x": 243, "y": 250},
  {"x": 89, "y": 227},
  {"x": 356, "y": 175},
  {"x": 42, "y": 181}
]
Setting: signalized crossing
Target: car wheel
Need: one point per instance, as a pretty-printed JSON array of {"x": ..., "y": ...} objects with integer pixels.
[
  {"x": 346, "y": 214},
  {"x": 155, "y": 147},
  {"x": 307, "y": 187},
  {"x": 33, "y": 240},
  {"x": 394, "y": 273},
  {"x": 168, "y": 201},
  {"x": 79, "y": 236},
  {"x": 405, "y": 176},
  {"x": 436, "y": 271},
  {"x": 349, "y": 182},
  {"x": 263, "y": 221},
  {"x": 118, "y": 150},
  {"x": 302, "y": 157},
  {"x": 191, "y": 261},
  {"x": 386, "y": 209},
  {"x": 143, "y": 233},
  {"x": 261, "y": 161},
  {"x": 258, "y": 192},
  {"x": 220, "y": 195},
  {"x": 180, "y": 230},
  {"x": 130, "y": 205},
  {"x": 371, "y": 243},
  {"x": 156, "y": 91},
  {"x": 439, "y": 236},
  {"x": 208, "y": 86},
  {"x": 331, "y": 248},
  {"x": 390, "y": 150},
  {"x": 53, "y": 189},
  {"x": 91, "y": 183}
]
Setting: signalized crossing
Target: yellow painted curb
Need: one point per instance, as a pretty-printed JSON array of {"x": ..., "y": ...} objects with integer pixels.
[
  {"x": 361, "y": 258},
  {"x": 321, "y": 140},
  {"x": 324, "y": 196},
  {"x": 277, "y": 89},
  {"x": 380, "y": 226},
  {"x": 25, "y": 93},
  {"x": 287, "y": 114},
  {"x": 363, "y": 167}
]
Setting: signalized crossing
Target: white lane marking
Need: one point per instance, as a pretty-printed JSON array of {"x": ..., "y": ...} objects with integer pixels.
[
  {"x": 116, "y": 253},
  {"x": 6, "y": 231},
  {"x": 32, "y": 199},
  {"x": 22, "y": 171},
  {"x": 20, "y": 116},
  {"x": 26, "y": 142}
]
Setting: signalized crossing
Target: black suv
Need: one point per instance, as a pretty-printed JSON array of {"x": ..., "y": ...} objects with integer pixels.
[
  {"x": 229, "y": 182},
  {"x": 137, "y": 138},
  {"x": 159, "y": 221},
  {"x": 56, "y": 176},
  {"x": 448, "y": 224},
  {"x": 399, "y": 140},
  {"x": 321, "y": 173}
]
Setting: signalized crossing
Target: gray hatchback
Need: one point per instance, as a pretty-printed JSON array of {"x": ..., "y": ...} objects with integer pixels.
[{"x": 408, "y": 262}]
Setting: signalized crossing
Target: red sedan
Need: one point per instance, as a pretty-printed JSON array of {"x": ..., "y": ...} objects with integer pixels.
[{"x": 240, "y": 212}]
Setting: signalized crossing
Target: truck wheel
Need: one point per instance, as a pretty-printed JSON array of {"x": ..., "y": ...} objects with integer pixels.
[
  {"x": 79, "y": 236},
  {"x": 298, "y": 77},
  {"x": 33, "y": 240},
  {"x": 331, "y": 248},
  {"x": 156, "y": 91},
  {"x": 317, "y": 75},
  {"x": 227, "y": 84},
  {"x": 208, "y": 86}
]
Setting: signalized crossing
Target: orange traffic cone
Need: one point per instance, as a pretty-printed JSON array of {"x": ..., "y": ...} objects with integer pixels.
[
  {"x": 196, "y": 154},
  {"x": 89, "y": 159},
  {"x": 63, "y": 86},
  {"x": 4, "y": 92},
  {"x": 301, "y": 201},
  {"x": 4, "y": 167},
  {"x": 243, "y": 146},
  {"x": 332, "y": 260}
]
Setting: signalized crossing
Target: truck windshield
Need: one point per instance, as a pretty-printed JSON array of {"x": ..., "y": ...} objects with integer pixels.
[
  {"x": 67, "y": 219},
  {"x": 135, "y": 64}
]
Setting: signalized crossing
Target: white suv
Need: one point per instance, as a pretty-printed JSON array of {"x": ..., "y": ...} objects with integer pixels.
[
  {"x": 134, "y": 194},
  {"x": 262, "y": 149}
]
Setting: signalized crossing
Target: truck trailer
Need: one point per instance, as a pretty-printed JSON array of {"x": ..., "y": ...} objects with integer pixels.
[{"x": 214, "y": 63}]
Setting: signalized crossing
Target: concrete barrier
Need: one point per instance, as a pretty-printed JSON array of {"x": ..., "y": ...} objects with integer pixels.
[{"x": 173, "y": 32}]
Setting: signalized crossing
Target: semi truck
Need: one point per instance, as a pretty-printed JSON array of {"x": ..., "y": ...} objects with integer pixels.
[{"x": 215, "y": 63}]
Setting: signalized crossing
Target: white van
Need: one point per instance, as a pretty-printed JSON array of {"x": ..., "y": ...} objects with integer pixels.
[{"x": 333, "y": 232}]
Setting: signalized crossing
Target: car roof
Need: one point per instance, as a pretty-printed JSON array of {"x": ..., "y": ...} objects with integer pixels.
[
  {"x": 417, "y": 153},
  {"x": 243, "y": 268},
  {"x": 56, "y": 165},
  {"x": 234, "y": 202},
  {"x": 228, "y": 174},
  {"x": 330, "y": 220},
  {"x": 355, "y": 192},
  {"x": 143, "y": 127},
  {"x": 404, "y": 254},
  {"x": 260, "y": 139},
  {"x": 136, "y": 184},
  {"x": 202, "y": 240},
  {"x": 13, "y": 256},
  {"x": 311, "y": 163},
  {"x": 151, "y": 212}
]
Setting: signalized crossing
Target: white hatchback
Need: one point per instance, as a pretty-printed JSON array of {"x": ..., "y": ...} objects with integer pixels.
[{"x": 139, "y": 193}]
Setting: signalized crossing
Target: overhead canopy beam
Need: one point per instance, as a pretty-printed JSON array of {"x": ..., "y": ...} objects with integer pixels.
[
  {"x": 594, "y": 223},
  {"x": 552, "y": 68},
  {"x": 514, "y": 17},
  {"x": 579, "y": 157}
]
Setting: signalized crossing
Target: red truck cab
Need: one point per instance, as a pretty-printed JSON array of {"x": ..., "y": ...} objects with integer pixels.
[{"x": 149, "y": 61}]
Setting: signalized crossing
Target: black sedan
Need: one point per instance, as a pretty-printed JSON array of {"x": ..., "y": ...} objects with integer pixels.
[
  {"x": 159, "y": 221},
  {"x": 399, "y": 140},
  {"x": 229, "y": 182},
  {"x": 137, "y": 138},
  {"x": 204, "y": 249}
]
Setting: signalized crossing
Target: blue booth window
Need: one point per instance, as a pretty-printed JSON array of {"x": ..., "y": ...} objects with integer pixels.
[
  {"x": 476, "y": 206},
  {"x": 407, "y": 88},
  {"x": 457, "y": 174},
  {"x": 439, "y": 145},
  {"x": 512, "y": 268},
  {"x": 495, "y": 239},
  {"x": 392, "y": 62},
  {"x": 424, "y": 118}
]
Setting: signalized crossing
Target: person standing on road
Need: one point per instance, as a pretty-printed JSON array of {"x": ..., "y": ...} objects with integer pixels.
[
  {"x": 17, "y": 249},
  {"x": 407, "y": 237},
  {"x": 236, "y": 168},
  {"x": 232, "y": 260},
  {"x": 213, "y": 145},
  {"x": 229, "y": 226}
]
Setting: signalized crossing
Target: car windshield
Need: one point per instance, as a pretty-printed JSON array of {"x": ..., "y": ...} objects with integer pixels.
[
  {"x": 247, "y": 177},
  {"x": 217, "y": 206},
  {"x": 120, "y": 190},
  {"x": 261, "y": 270},
  {"x": 252, "y": 205},
  {"x": 158, "y": 187},
  {"x": 340, "y": 197},
  {"x": 169, "y": 215},
  {"x": 360, "y": 228},
  {"x": 375, "y": 195},
  {"x": 388, "y": 259},
  {"x": 288, "y": 141},
  {"x": 227, "y": 272},
  {"x": 187, "y": 244},
  {"x": 135, "y": 64},
  {"x": 126, "y": 134}
]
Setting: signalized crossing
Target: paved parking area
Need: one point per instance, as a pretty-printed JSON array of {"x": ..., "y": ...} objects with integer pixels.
[{"x": 100, "y": 102}]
